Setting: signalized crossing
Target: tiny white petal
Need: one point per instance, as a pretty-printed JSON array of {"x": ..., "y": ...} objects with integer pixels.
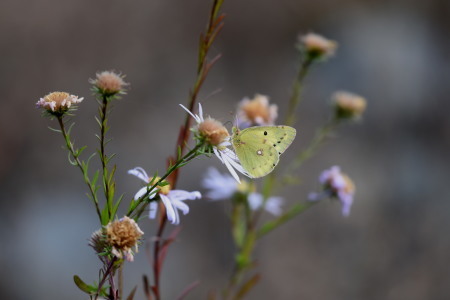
[
  {"x": 273, "y": 205},
  {"x": 171, "y": 215},
  {"x": 255, "y": 201},
  {"x": 197, "y": 118},
  {"x": 180, "y": 205},
  {"x": 200, "y": 112},
  {"x": 140, "y": 193},
  {"x": 140, "y": 173},
  {"x": 153, "y": 209}
]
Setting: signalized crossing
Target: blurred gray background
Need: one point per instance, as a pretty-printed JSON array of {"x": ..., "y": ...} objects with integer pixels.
[{"x": 395, "y": 244}]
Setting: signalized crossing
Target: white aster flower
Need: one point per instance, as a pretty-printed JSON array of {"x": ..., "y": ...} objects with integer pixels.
[
  {"x": 172, "y": 199},
  {"x": 218, "y": 137},
  {"x": 223, "y": 186},
  {"x": 58, "y": 103},
  {"x": 336, "y": 185}
]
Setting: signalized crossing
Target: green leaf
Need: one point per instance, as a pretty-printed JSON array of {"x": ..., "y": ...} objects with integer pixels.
[
  {"x": 83, "y": 286},
  {"x": 116, "y": 206},
  {"x": 105, "y": 215}
]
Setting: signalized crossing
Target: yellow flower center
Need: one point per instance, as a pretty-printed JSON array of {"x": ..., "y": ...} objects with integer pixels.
[
  {"x": 213, "y": 131},
  {"x": 57, "y": 97},
  {"x": 162, "y": 189}
]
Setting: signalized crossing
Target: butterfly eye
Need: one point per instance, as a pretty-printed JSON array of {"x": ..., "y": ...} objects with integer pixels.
[{"x": 265, "y": 132}]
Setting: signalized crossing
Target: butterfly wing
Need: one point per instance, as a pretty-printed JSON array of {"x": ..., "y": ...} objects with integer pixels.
[{"x": 259, "y": 148}]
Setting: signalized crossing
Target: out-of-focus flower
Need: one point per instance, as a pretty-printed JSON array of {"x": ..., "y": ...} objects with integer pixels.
[
  {"x": 222, "y": 186},
  {"x": 109, "y": 83},
  {"x": 348, "y": 105},
  {"x": 172, "y": 199},
  {"x": 273, "y": 204},
  {"x": 58, "y": 103},
  {"x": 256, "y": 112},
  {"x": 317, "y": 46},
  {"x": 336, "y": 185},
  {"x": 217, "y": 136},
  {"x": 123, "y": 235}
]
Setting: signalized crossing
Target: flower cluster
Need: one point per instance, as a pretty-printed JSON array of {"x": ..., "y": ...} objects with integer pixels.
[
  {"x": 58, "y": 103},
  {"x": 336, "y": 185},
  {"x": 256, "y": 112}
]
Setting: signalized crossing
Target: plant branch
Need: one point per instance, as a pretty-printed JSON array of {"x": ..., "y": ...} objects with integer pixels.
[{"x": 83, "y": 167}]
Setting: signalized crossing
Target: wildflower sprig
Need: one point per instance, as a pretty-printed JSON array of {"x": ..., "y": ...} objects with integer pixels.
[{"x": 137, "y": 207}]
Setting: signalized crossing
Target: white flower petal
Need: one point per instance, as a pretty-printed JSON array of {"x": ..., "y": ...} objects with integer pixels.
[
  {"x": 181, "y": 195},
  {"x": 153, "y": 209},
  {"x": 140, "y": 173},
  {"x": 273, "y": 205},
  {"x": 255, "y": 201},
  {"x": 171, "y": 216},
  {"x": 141, "y": 193},
  {"x": 197, "y": 118},
  {"x": 220, "y": 186},
  {"x": 181, "y": 206},
  {"x": 200, "y": 112}
]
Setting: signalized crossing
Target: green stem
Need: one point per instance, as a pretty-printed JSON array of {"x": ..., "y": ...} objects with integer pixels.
[
  {"x": 296, "y": 91},
  {"x": 80, "y": 165},
  {"x": 319, "y": 137},
  {"x": 103, "y": 110},
  {"x": 294, "y": 211}
]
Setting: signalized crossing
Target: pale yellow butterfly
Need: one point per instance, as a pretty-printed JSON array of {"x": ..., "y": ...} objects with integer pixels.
[{"x": 259, "y": 148}]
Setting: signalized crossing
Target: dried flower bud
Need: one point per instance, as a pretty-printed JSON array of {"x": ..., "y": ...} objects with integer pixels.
[
  {"x": 123, "y": 235},
  {"x": 58, "y": 103},
  {"x": 97, "y": 241},
  {"x": 108, "y": 83},
  {"x": 348, "y": 105},
  {"x": 256, "y": 112},
  {"x": 213, "y": 131},
  {"x": 317, "y": 46}
]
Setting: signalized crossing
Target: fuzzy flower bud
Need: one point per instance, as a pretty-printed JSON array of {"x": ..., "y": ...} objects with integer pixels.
[
  {"x": 122, "y": 235},
  {"x": 58, "y": 103},
  {"x": 317, "y": 46},
  {"x": 108, "y": 83},
  {"x": 348, "y": 105},
  {"x": 256, "y": 112},
  {"x": 212, "y": 131}
]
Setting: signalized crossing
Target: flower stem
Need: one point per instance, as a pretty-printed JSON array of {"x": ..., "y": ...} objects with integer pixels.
[
  {"x": 296, "y": 91},
  {"x": 103, "y": 110},
  {"x": 83, "y": 167},
  {"x": 321, "y": 134}
]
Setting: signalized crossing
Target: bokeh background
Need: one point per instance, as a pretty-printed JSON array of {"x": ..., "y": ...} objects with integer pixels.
[{"x": 395, "y": 244}]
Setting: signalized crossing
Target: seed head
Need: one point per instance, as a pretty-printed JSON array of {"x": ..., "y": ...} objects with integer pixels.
[
  {"x": 348, "y": 105},
  {"x": 213, "y": 131},
  {"x": 317, "y": 46},
  {"x": 123, "y": 235},
  {"x": 109, "y": 83}
]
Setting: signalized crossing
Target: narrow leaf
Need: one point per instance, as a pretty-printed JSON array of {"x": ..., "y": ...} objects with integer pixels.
[
  {"x": 246, "y": 287},
  {"x": 82, "y": 285},
  {"x": 131, "y": 296}
]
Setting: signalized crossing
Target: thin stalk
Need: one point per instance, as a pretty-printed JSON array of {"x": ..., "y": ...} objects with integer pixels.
[
  {"x": 72, "y": 151},
  {"x": 103, "y": 110},
  {"x": 120, "y": 279},
  {"x": 296, "y": 91},
  {"x": 319, "y": 137},
  {"x": 107, "y": 273}
]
